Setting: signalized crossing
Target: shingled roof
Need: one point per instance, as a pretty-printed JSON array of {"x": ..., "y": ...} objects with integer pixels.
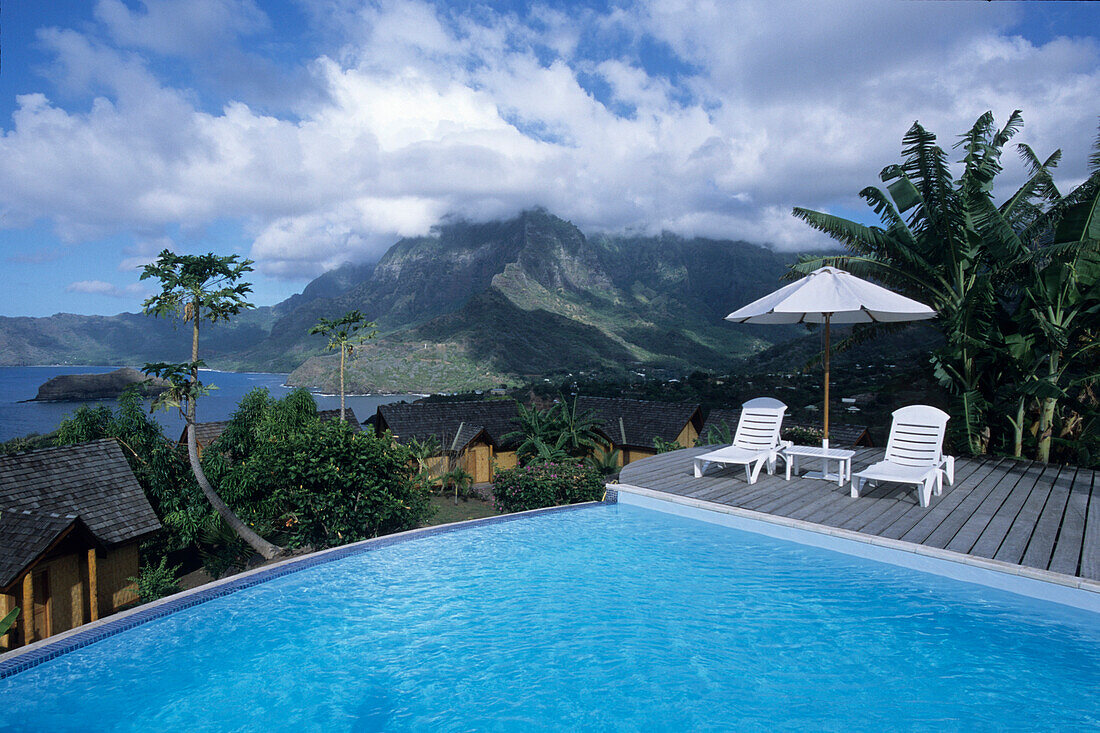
[
  {"x": 453, "y": 424},
  {"x": 26, "y": 535},
  {"x": 45, "y": 489},
  {"x": 207, "y": 432},
  {"x": 840, "y": 436},
  {"x": 638, "y": 422}
]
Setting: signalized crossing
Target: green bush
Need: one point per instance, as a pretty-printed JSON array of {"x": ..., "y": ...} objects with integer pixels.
[
  {"x": 156, "y": 581},
  {"x": 323, "y": 484},
  {"x": 546, "y": 484}
]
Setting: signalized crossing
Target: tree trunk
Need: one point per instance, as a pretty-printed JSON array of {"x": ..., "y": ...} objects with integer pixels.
[
  {"x": 341, "y": 383},
  {"x": 258, "y": 543},
  {"x": 1018, "y": 429},
  {"x": 1046, "y": 413}
]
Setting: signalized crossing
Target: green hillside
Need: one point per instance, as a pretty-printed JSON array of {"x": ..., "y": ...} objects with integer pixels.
[{"x": 470, "y": 306}]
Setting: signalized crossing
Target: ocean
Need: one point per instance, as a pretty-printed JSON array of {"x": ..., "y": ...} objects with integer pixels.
[{"x": 18, "y": 418}]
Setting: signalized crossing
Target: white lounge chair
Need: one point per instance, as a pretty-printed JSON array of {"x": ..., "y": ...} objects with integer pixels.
[
  {"x": 914, "y": 454},
  {"x": 755, "y": 443}
]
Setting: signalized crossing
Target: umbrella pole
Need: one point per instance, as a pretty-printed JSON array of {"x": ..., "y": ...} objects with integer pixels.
[{"x": 825, "y": 438}]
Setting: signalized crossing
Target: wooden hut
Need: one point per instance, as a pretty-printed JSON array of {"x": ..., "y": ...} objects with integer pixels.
[
  {"x": 632, "y": 426},
  {"x": 470, "y": 433},
  {"x": 71, "y": 519}
]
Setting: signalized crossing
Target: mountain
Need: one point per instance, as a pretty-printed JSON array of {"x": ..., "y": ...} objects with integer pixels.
[
  {"x": 469, "y": 306},
  {"x": 476, "y": 305}
]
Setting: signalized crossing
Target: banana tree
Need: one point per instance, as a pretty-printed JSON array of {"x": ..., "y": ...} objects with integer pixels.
[{"x": 946, "y": 243}]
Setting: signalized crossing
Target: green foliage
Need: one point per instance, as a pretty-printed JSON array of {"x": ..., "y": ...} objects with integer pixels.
[
  {"x": 457, "y": 480},
  {"x": 546, "y": 484},
  {"x": 556, "y": 433},
  {"x": 8, "y": 621},
  {"x": 312, "y": 483},
  {"x": 606, "y": 462},
  {"x": 720, "y": 433},
  {"x": 155, "y": 461},
  {"x": 803, "y": 436},
  {"x": 184, "y": 384},
  {"x": 156, "y": 581},
  {"x": 344, "y": 333},
  {"x": 34, "y": 441},
  {"x": 665, "y": 446},
  {"x": 1003, "y": 278},
  {"x": 198, "y": 287}
]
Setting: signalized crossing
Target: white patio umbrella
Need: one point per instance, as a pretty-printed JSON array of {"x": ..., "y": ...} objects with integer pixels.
[{"x": 829, "y": 295}]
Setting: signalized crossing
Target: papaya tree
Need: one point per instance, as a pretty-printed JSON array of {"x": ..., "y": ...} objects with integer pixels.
[
  {"x": 198, "y": 288},
  {"x": 344, "y": 335}
]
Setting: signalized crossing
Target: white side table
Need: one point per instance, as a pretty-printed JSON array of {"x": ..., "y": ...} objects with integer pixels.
[{"x": 842, "y": 457}]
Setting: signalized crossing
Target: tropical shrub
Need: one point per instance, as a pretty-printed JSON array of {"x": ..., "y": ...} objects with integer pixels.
[
  {"x": 322, "y": 483},
  {"x": 156, "y": 581},
  {"x": 665, "y": 446},
  {"x": 546, "y": 484}
]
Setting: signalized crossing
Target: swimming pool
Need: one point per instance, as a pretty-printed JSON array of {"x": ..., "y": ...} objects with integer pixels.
[{"x": 612, "y": 617}]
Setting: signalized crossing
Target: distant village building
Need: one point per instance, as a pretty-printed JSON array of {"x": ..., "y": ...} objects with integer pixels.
[
  {"x": 71, "y": 519},
  {"x": 207, "y": 432},
  {"x": 472, "y": 433}
]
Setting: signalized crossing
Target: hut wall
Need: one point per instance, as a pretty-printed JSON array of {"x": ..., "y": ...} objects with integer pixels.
[
  {"x": 688, "y": 435},
  {"x": 67, "y": 604},
  {"x": 506, "y": 459},
  {"x": 477, "y": 462},
  {"x": 115, "y": 567}
]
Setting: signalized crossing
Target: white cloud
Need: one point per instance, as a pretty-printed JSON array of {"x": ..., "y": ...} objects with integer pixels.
[
  {"x": 100, "y": 287},
  {"x": 417, "y": 112}
]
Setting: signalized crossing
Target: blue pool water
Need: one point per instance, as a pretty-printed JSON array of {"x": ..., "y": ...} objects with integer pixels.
[{"x": 606, "y": 618}]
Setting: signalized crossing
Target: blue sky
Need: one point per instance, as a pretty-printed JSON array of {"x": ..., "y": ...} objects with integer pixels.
[{"x": 306, "y": 134}]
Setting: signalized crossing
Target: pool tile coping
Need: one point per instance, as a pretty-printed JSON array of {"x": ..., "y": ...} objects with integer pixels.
[
  {"x": 935, "y": 554},
  {"x": 31, "y": 655}
]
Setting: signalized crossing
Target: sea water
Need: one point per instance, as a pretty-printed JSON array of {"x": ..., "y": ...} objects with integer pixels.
[
  {"x": 606, "y": 618},
  {"x": 18, "y": 418}
]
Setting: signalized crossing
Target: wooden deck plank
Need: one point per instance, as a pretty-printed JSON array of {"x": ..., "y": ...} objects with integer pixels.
[
  {"x": 1019, "y": 534},
  {"x": 907, "y": 501},
  {"x": 1090, "y": 546},
  {"x": 953, "y": 507},
  {"x": 941, "y": 507},
  {"x": 1040, "y": 548},
  {"x": 964, "y": 537},
  {"x": 993, "y": 536},
  {"x": 1022, "y": 512},
  {"x": 1066, "y": 557}
]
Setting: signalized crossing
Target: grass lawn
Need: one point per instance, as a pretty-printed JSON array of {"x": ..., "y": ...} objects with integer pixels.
[{"x": 446, "y": 511}]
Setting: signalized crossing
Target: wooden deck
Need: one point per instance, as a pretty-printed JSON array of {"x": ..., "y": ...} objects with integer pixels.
[{"x": 1020, "y": 512}]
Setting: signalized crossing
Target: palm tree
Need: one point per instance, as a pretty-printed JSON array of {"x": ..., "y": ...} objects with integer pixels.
[
  {"x": 955, "y": 250},
  {"x": 199, "y": 288},
  {"x": 343, "y": 334}
]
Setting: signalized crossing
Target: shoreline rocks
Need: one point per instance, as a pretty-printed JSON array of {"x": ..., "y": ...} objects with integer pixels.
[{"x": 109, "y": 386}]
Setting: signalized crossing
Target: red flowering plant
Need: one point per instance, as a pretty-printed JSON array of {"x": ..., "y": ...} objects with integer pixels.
[{"x": 551, "y": 483}]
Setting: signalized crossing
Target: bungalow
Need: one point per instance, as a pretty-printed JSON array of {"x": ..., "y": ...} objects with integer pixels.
[
  {"x": 473, "y": 431},
  {"x": 632, "y": 426},
  {"x": 207, "y": 432},
  {"x": 71, "y": 519},
  {"x": 840, "y": 436}
]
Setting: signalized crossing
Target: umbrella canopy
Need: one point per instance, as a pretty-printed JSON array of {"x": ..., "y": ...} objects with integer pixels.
[{"x": 829, "y": 295}]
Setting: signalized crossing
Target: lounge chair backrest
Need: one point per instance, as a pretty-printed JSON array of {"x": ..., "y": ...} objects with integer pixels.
[
  {"x": 758, "y": 428},
  {"x": 916, "y": 436}
]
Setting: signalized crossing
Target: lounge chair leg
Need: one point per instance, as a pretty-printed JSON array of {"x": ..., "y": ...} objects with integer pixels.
[
  {"x": 857, "y": 484},
  {"x": 924, "y": 492},
  {"x": 756, "y": 470},
  {"x": 700, "y": 468},
  {"x": 951, "y": 470}
]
